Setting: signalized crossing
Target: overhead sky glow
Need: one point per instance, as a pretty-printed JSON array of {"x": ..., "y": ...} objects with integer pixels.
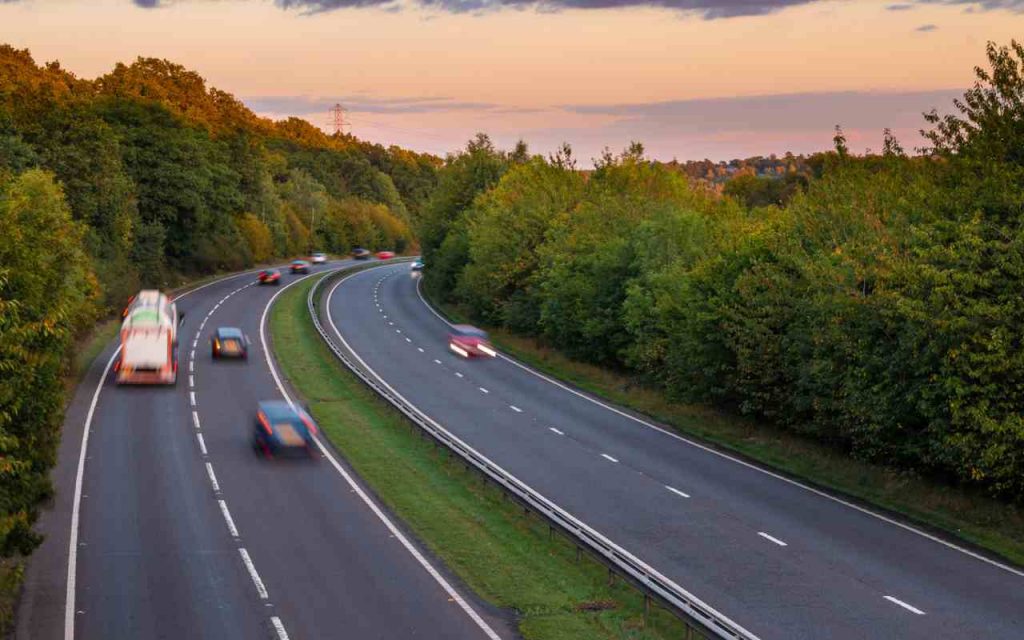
[{"x": 688, "y": 78}]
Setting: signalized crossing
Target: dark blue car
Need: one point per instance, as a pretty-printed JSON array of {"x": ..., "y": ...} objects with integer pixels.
[
  {"x": 283, "y": 430},
  {"x": 229, "y": 342}
]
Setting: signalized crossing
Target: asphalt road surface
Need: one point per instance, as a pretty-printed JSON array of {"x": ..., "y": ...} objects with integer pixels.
[
  {"x": 780, "y": 559},
  {"x": 183, "y": 532}
]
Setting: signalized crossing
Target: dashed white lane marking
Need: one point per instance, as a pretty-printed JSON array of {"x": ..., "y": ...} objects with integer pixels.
[
  {"x": 515, "y": 408},
  {"x": 202, "y": 443},
  {"x": 191, "y": 366},
  {"x": 213, "y": 477},
  {"x": 232, "y": 529},
  {"x": 247, "y": 561},
  {"x": 195, "y": 420},
  {"x": 772, "y": 538},
  {"x": 677, "y": 491},
  {"x": 420, "y": 349},
  {"x": 391, "y": 324},
  {"x": 398, "y": 331},
  {"x": 906, "y": 606},
  {"x": 192, "y": 397},
  {"x": 458, "y": 374},
  {"x": 608, "y": 457},
  {"x": 192, "y": 355},
  {"x": 561, "y": 433},
  {"x": 279, "y": 628},
  {"x": 195, "y": 343},
  {"x": 191, "y": 381},
  {"x": 436, "y": 361},
  {"x": 408, "y": 340},
  {"x": 483, "y": 390}
]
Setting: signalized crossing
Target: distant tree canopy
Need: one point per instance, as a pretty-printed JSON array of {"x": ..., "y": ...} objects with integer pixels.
[
  {"x": 166, "y": 172},
  {"x": 136, "y": 179},
  {"x": 870, "y": 302}
]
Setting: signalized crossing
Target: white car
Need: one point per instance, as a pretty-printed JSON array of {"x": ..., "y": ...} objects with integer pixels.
[{"x": 318, "y": 258}]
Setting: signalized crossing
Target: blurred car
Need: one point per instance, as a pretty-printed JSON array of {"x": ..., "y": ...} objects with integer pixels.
[
  {"x": 416, "y": 266},
  {"x": 468, "y": 341},
  {"x": 300, "y": 266},
  {"x": 283, "y": 430},
  {"x": 385, "y": 255},
  {"x": 361, "y": 254},
  {"x": 318, "y": 258},
  {"x": 229, "y": 342},
  {"x": 269, "y": 276}
]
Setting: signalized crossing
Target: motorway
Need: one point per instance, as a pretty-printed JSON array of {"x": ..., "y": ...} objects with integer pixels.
[
  {"x": 782, "y": 560},
  {"x": 176, "y": 529}
]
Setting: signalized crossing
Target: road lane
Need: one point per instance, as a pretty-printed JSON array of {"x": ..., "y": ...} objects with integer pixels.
[
  {"x": 325, "y": 559},
  {"x": 185, "y": 532},
  {"x": 837, "y": 576}
]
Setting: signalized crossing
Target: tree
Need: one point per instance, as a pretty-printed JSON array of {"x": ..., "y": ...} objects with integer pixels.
[{"x": 47, "y": 294}]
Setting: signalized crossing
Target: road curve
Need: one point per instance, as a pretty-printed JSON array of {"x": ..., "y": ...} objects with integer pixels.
[
  {"x": 780, "y": 559},
  {"x": 185, "y": 533}
]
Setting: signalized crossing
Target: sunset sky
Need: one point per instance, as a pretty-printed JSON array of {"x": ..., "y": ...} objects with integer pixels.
[{"x": 688, "y": 78}]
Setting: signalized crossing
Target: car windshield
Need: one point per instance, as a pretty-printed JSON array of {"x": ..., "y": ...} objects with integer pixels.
[{"x": 469, "y": 332}]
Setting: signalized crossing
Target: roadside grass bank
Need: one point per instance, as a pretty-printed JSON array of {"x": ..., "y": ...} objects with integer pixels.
[
  {"x": 89, "y": 347},
  {"x": 971, "y": 516},
  {"x": 505, "y": 555}
]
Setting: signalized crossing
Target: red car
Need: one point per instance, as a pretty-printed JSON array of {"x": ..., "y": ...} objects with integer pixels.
[
  {"x": 385, "y": 255},
  {"x": 270, "y": 276},
  {"x": 468, "y": 341}
]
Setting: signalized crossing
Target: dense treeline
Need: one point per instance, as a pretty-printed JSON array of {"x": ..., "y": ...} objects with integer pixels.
[
  {"x": 880, "y": 310},
  {"x": 136, "y": 179}
]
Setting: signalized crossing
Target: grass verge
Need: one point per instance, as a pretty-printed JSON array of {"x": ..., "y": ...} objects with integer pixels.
[
  {"x": 90, "y": 347},
  {"x": 981, "y": 521},
  {"x": 506, "y": 556}
]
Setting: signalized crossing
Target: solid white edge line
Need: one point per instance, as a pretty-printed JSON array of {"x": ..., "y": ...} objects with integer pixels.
[
  {"x": 906, "y": 606},
  {"x": 256, "y": 580},
  {"x": 279, "y": 628},
  {"x": 608, "y": 457},
  {"x": 677, "y": 491},
  {"x": 202, "y": 443},
  {"x": 720, "y": 454},
  {"x": 772, "y": 538},
  {"x": 69, "y": 595},
  {"x": 452, "y": 593},
  {"x": 232, "y": 529},
  {"x": 213, "y": 477}
]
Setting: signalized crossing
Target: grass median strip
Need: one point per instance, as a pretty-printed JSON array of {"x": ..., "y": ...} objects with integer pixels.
[
  {"x": 969, "y": 515},
  {"x": 506, "y": 556}
]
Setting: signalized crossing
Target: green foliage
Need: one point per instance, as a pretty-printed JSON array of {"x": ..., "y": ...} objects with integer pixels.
[
  {"x": 132, "y": 180},
  {"x": 874, "y": 306},
  {"x": 47, "y": 292},
  {"x": 465, "y": 175},
  {"x": 508, "y": 225}
]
